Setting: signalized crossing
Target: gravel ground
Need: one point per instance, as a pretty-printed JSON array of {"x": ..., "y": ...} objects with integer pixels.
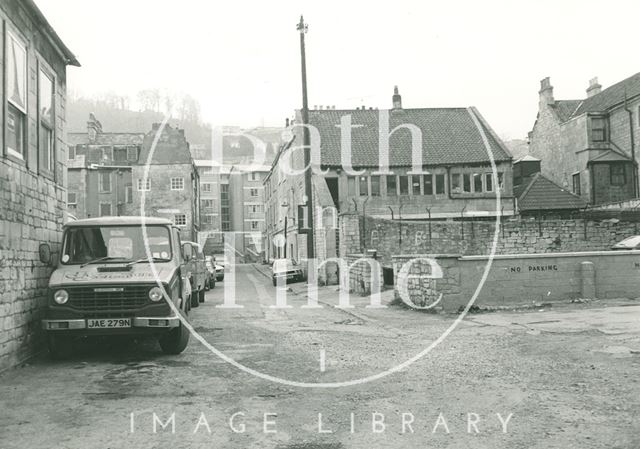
[{"x": 567, "y": 377}]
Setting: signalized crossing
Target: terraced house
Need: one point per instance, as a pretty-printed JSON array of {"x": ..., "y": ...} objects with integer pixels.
[
  {"x": 33, "y": 157},
  {"x": 590, "y": 145}
]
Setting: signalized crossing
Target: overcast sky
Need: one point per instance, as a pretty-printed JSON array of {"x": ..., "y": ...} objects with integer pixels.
[{"x": 241, "y": 59}]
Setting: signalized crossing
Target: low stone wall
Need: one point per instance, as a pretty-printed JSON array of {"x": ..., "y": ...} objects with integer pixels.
[
  {"x": 515, "y": 236},
  {"x": 365, "y": 274},
  {"x": 518, "y": 279}
]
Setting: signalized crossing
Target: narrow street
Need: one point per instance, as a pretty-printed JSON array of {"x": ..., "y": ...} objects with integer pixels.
[{"x": 568, "y": 377}]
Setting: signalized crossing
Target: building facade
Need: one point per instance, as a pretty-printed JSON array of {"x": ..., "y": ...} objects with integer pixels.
[
  {"x": 449, "y": 147},
  {"x": 232, "y": 200},
  {"x": 107, "y": 176},
  {"x": 589, "y": 145},
  {"x": 33, "y": 158}
]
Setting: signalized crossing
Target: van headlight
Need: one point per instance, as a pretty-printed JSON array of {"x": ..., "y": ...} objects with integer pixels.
[
  {"x": 155, "y": 294},
  {"x": 61, "y": 296}
]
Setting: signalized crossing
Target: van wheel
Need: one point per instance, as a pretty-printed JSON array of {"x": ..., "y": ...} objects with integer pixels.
[
  {"x": 60, "y": 346},
  {"x": 201, "y": 295},
  {"x": 175, "y": 341},
  {"x": 195, "y": 295}
]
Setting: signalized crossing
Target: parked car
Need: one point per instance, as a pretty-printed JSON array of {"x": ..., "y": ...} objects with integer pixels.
[
  {"x": 103, "y": 283},
  {"x": 219, "y": 262},
  {"x": 287, "y": 269},
  {"x": 632, "y": 242},
  {"x": 211, "y": 272},
  {"x": 198, "y": 275}
]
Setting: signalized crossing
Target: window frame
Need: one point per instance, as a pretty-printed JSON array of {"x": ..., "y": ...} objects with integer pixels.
[
  {"x": 430, "y": 190},
  {"x": 44, "y": 125},
  {"x": 406, "y": 178},
  {"x": 374, "y": 181},
  {"x": 576, "y": 186},
  {"x": 440, "y": 177},
  {"x": 175, "y": 220},
  {"x": 23, "y": 112},
  {"x": 75, "y": 196},
  {"x": 415, "y": 179},
  {"x": 394, "y": 179},
  {"x": 612, "y": 175},
  {"x": 176, "y": 183},
  {"x": 488, "y": 182},
  {"x": 363, "y": 180},
  {"x": 104, "y": 203},
  {"x": 209, "y": 188},
  {"x": 603, "y": 129},
  {"x": 101, "y": 175},
  {"x": 147, "y": 184}
]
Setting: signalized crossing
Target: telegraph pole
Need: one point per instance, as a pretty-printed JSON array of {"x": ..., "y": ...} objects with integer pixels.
[{"x": 302, "y": 28}]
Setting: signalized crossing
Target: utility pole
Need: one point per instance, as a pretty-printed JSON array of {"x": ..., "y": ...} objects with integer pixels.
[{"x": 302, "y": 29}]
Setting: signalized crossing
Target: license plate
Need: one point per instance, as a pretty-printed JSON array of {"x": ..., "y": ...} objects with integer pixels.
[{"x": 108, "y": 323}]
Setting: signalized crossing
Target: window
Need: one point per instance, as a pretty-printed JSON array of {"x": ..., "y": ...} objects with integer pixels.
[
  {"x": 439, "y": 184},
  {"x": 45, "y": 111},
  {"x": 72, "y": 153},
  {"x": 105, "y": 209},
  {"x": 255, "y": 208},
  {"x": 576, "y": 183},
  {"x": 120, "y": 154},
  {"x": 501, "y": 180},
  {"x": 177, "y": 183},
  {"x": 375, "y": 186},
  {"x": 477, "y": 182},
  {"x": 254, "y": 225},
  {"x": 415, "y": 185},
  {"x": 132, "y": 154},
  {"x": 16, "y": 76},
  {"x": 392, "y": 187},
  {"x": 404, "y": 185},
  {"x": 128, "y": 194},
  {"x": 144, "y": 184},
  {"x": 253, "y": 192},
  {"x": 351, "y": 186},
  {"x": 72, "y": 198},
  {"x": 363, "y": 185},
  {"x": 617, "y": 175},
  {"x": 598, "y": 129},
  {"x": 180, "y": 219},
  {"x": 253, "y": 176},
  {"x": 207, "y": 204},
  {"x": 456, "y": 186},
  {"x": 466, "y": 183},
  {"x": 427, "y": 180},
  {"x": 206, "y": 187},
  {"x": 488, "y": 182},
  {"x": 105, "y": 181},
  {"x": 208, "y": 219}
]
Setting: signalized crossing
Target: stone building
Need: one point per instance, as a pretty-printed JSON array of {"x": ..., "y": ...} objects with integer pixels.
[
  {"x": 100, "y": 171},
  {"x": 438, "y": 167},
  {"x": 106, "y": 173},
  {"x": 589, "y": 145},
  {"x": 33, "y": 158},
  {"x": 165, "y": 180}
]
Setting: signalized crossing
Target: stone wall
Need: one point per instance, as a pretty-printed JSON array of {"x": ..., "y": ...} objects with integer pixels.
[
  {"x": 32, "y": 199},
  {"x": 515, "y": 236},
  {"x": 519, "y": 279},
  {"x": 365, "y": 274}
]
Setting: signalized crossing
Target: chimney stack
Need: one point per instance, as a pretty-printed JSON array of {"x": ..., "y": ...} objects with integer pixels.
[
  {"x": 594, "y": 88},
  {"x": 397, "y": 99},
  {"x": 94, "y": 127},
  {"x": 546, "y": 92}
]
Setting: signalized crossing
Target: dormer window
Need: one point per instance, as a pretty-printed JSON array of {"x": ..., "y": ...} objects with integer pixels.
[{"x": 598, "y": 129}]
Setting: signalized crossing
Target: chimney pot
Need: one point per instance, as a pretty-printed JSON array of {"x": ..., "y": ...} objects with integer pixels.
[
  {"x": 594, "y": 87},
  {"x": 396, "y": 99},
  {"x": 546, "y": 92}
]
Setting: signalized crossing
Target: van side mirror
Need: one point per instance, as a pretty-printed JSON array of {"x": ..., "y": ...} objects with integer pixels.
[
  {"x": 44, "y": 251},
  {"x": 187, "y": 252}
]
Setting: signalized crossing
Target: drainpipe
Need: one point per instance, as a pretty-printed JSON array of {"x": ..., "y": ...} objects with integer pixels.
[{"x": 633, "y": 147}]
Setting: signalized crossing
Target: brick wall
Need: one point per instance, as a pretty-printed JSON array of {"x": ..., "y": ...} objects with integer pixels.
[{"x": 516, "y": 236}]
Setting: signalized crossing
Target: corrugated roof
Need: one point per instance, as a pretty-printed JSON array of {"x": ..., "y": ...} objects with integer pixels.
[
  {"x": 540, "y": 193},
  {"x": 449, "y": 136}
]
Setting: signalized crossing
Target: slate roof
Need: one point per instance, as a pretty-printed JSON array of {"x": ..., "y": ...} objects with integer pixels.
[
  {"x": 449, "y": 136},
  {"x": 608, "y": 98},
  {"x": 540, "y": 193},
  {"x": 566, "y": 108},
  {"x": 610, "y": 156},
  {"x": 106, "y": 139}
]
